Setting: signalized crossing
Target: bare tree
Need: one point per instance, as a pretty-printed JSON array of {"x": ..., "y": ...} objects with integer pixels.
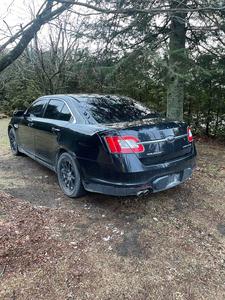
[{"x": 54, "y": 61}]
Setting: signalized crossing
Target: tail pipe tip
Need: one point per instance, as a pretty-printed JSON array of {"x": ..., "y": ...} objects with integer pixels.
[{"x": 142, "y": 193}]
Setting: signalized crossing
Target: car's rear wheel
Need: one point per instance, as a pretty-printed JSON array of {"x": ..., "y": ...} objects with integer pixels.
[
  {"x": 69, "y": 176},
  {"x": 13, "y": 142}
]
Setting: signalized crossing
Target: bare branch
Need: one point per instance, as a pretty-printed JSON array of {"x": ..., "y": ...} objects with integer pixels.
[{"x": 28, "y": 34}]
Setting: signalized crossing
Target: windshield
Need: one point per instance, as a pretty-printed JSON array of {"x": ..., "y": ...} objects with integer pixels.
[{"x": 116, "y": 109}]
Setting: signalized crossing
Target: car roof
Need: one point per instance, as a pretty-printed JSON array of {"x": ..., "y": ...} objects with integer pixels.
[{"x": 82, "y": 96}]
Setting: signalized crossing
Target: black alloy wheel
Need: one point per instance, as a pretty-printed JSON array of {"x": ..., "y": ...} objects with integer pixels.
[
  {"x": 13, "y": 142},
  {"x": 69, "y": 177}
]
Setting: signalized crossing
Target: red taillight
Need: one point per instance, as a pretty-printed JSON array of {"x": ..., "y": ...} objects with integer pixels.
[
  {"x": 125, "y": 144},
  {"x": 190, "y": 136}
]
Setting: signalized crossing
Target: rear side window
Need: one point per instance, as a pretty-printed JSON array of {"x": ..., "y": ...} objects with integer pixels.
[
  {"x": 65, "y": 114},
  {"x": 36, "y": 109},
  {"x": 53, "y": 109}
]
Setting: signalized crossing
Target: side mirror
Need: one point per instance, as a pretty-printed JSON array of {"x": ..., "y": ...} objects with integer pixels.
[{"x": 18, "y": 113}]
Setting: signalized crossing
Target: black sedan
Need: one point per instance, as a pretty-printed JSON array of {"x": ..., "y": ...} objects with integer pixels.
[{"x": 107, "y": 144}]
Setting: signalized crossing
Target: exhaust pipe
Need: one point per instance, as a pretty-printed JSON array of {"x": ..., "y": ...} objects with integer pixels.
[
  {"x": 142, "y": 193},
  {"x": 146, "y": 192}
]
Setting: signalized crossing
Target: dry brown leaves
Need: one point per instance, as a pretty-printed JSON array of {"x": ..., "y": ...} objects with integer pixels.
[{"x": 28, "y": 237}]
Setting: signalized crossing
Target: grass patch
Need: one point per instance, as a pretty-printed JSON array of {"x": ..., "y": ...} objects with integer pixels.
[
  {"x": 9, "y": 183},
  {"x": 4, "y": 141}
]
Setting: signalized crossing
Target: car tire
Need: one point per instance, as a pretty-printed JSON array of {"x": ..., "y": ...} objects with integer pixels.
[
  {"x": 69, "y": 176},
  {"x": 13, "y": 142}
]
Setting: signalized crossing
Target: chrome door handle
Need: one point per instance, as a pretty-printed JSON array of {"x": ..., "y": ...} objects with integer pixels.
[{"x": 55, "y": 129}]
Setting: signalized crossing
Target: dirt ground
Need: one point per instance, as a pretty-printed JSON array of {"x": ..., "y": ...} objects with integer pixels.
[{"x": 169, "y": 245}]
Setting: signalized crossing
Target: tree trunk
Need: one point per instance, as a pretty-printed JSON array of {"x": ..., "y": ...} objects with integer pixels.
[
  {"x": 175, "y": 94},
  {"x": 208, "y": 117}
]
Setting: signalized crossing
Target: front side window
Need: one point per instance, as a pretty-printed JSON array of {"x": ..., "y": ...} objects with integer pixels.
[
  {"x": 36, "y": 109},
  {"x": 53, "y": 109}
]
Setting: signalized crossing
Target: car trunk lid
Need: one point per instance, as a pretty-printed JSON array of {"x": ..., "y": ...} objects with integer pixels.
[{"x": 162, "y": 139}]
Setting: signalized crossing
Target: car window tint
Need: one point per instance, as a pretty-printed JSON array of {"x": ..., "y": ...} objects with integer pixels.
[
  {"x": 53, "y": 109},
  {"x": 116, "y": 109},
  {"x": 36, "y": 109},
  {"x": 65, "y": 114}
]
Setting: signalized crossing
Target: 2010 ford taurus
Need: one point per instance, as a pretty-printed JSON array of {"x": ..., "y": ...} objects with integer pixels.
[{"x": 107, "y": 144}]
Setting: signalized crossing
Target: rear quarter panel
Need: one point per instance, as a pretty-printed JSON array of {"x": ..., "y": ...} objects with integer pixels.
[{"x": 85, "y": 143}]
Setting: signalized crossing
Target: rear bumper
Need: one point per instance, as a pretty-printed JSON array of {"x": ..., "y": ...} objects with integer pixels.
[
  {"x": 159, "y": 184},
  {"x": 154, "y": 178}
]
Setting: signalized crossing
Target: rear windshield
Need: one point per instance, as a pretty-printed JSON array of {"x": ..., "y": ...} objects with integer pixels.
[{"x": 116, "y": 109}]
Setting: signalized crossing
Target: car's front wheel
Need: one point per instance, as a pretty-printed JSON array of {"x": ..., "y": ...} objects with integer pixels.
[
  {"x": 69, "y": 176},
  {"x": 13, "y": 142}
]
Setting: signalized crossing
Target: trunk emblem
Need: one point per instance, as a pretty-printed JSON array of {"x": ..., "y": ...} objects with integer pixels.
[{"x": 170, "y": 139}]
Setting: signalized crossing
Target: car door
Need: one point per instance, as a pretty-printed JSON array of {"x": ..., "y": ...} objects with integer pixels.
[
  {"x": 49, "y": 129},
  {"x": 26, "y": 126}
]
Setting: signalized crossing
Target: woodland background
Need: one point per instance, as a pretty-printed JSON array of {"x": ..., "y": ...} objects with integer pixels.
[{"x": 169, "y": 55}]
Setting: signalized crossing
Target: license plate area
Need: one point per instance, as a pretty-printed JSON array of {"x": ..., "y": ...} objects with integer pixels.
[{"x": 174, "y": 178}]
